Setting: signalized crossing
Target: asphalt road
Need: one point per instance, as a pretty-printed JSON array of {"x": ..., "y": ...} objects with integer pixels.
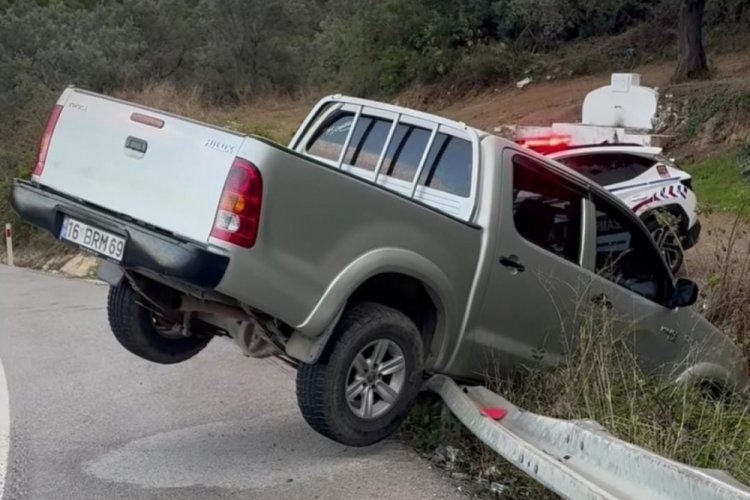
[{"x": 90, "y": 421}]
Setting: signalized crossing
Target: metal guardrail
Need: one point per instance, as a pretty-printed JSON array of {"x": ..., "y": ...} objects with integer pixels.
[{"x": 579, "y": 459}]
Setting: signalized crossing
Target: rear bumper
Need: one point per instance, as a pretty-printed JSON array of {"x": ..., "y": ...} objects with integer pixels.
[{"x": 146, "y": 249}]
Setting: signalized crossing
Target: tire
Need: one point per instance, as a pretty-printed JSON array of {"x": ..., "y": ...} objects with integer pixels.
[
  {"x": 322, "y": 387},
  {"x": 134, "y": 328},
  {"x": 667, "y": 231}
]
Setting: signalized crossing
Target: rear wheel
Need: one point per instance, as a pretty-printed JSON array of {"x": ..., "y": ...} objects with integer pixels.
[
  {"x": 365, "y": 383},
  {"x": 147, "y": 334},
  {"x": 666, "y": 230}
]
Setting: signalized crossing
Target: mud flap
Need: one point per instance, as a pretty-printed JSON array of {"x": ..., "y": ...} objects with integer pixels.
[
  {"x": 109, "y": 272},
  {"x": 308, "y": 349}
]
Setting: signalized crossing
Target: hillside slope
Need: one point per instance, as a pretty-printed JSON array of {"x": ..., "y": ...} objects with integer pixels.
[
  {"x": 539, "y": 103},
  {"x": 560, "y": 100}
]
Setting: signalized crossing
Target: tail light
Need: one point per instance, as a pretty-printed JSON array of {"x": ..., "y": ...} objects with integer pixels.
[
  {"x": 238, "y": 215},
  {"x": 49, "y": 129}
]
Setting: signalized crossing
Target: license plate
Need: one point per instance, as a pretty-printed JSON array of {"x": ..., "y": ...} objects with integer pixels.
[{"x": 92, "y": 238}]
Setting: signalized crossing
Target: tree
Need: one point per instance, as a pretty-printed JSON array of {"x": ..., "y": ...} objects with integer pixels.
[{"x": 691, "y": 59}]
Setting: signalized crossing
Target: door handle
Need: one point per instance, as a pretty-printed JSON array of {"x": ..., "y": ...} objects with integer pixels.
[
  {"x": 602, "y": 300},
  {"x": 512, "y": 263}
]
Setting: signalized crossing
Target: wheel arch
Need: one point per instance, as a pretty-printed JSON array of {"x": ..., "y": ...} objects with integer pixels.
[
  {"x": 406, "y": 294},
  {"x": 674, "y": 209},
  {"x": 706, "y": 374},
  {"x": 396, "y": 278}
]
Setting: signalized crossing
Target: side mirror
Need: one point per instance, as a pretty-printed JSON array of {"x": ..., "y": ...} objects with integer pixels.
[{"x": 684, "y": 294}]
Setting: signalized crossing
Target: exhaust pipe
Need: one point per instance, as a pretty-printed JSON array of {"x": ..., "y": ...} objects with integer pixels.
[
  {"x": 250, "y": 337},
  {"x": 191, "y": 304}
]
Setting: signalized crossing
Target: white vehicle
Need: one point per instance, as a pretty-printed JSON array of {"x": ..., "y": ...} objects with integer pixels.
[{"x": 641, "y": 176}]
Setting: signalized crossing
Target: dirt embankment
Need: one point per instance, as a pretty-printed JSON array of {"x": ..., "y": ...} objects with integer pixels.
[
  {"x": 542, "y": 103},
  {"x": 539, "y": 103}
]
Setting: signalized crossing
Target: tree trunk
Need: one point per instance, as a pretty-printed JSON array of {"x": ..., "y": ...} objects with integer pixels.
[{"x": 691, "y": 60}]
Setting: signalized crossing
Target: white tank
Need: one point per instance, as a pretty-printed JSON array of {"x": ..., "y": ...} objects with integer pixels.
[{"x": 623, "y": 103}]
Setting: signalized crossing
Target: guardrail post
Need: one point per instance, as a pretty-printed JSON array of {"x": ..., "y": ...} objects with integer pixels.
[{"x": 9, "y": 242}]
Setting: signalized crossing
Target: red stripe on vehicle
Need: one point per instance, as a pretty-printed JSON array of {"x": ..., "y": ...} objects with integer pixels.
[{"x": 644, "y": 203}]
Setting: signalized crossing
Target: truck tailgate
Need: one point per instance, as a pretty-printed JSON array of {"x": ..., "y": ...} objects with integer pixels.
[{"x": 154, "y": 167}]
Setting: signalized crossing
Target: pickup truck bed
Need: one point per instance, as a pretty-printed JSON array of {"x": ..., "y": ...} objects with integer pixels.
[{"x": 156, "y": 179}]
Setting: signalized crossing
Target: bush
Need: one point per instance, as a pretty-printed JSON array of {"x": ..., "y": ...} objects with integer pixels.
[
  {"x": 388, "y": 45},
  {"x": 717, "y": 106},
  {"x": 487, "y": 64}
]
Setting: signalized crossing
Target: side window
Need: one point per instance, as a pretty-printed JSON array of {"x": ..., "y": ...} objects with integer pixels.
[
  {"x": 625, "y": 255},
  {"x": 639, "y": 164},
  {"x": 405, "y": 152},
  {"x": 546, "y": 209},
  {"x": 367, "y": 142},
  {"x": 329, "y": 141},
  {"x": 448, "y": 166}
]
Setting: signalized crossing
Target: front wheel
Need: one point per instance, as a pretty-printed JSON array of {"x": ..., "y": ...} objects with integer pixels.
[{"x": 365, "y": 383}]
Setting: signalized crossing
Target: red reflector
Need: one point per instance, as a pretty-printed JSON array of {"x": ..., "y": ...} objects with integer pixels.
[
  {"x": 238, "y": 216},
  {"x": 545, "y": 144},
  {"x": 494, "y": 413},
  {"x": 147, "y": 120},
  {"x": 49, "y": 129}
]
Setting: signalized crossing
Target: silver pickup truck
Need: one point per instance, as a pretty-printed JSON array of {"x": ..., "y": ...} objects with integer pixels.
[{"x": 381, "y": 246}]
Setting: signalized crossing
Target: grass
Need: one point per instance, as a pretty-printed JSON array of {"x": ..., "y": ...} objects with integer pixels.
[{"x": 719, "y": 184}]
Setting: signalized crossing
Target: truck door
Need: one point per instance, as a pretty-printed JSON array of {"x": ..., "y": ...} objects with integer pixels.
[
  {"x": 632, "y": 282},
  {"x": 528, "y": 309}
]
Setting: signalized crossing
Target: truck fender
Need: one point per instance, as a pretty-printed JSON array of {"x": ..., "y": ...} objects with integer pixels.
[
  {"x": 706, "y": 372},
  {"x": 311, "y": 336}
]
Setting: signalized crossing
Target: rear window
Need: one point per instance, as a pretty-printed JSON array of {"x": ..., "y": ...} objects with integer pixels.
[
  {"x": 405, "y": 152},
  {"x": 448, "y": 166},
  {"x": 367, "y": 142},
  {"x": 329, "y": 141},
  {"x": 606, "y": 169}
]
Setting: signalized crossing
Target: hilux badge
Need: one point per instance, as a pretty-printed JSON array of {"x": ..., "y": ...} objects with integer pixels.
[{"x": 218, "y": 146}]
